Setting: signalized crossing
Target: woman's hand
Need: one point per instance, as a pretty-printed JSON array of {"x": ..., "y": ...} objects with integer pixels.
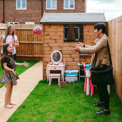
[
  {"x": 13, "y": 43},
  {"x": 76, "y": 49},
  {"x": 80, "y": 44},
  {"x": 25, "y": 64},
  {"x": 1, "y": 42}
]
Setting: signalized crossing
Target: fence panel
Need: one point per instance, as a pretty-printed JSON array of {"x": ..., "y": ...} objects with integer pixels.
[
  {"x": 115, "y": 36},
  {"x": 30, "y": 45}
]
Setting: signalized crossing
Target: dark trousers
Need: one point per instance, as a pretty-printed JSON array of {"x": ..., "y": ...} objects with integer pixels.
[{"x": 104, "y": 95}]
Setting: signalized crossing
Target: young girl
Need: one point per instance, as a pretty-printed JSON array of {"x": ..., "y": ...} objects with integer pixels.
[
  {"x": 10, "y": 37},
  {"x": 9, "y": 75}
]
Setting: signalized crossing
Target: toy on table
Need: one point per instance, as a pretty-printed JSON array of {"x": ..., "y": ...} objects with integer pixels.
[{"x": 88, "y": 66}]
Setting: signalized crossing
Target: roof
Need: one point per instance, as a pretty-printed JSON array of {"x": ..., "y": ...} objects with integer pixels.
[{"x": 72, "y": 18}]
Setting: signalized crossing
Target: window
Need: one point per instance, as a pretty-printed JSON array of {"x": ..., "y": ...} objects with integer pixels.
[
  {"x": 73, "y": 33},
  {"x": 29, "y": 22},
  {"x": 21, "y": 4},
  {"x": 13, "y": 23},
  {"x": 69, "y": 4},
  {"x": 51, "y": 4},
  {"x": 76, "y": 31}
]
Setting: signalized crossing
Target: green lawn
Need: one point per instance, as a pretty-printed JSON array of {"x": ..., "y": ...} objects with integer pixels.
[
  {"x": 19, "y": 69},
  {"x": 69, "y": 104}
]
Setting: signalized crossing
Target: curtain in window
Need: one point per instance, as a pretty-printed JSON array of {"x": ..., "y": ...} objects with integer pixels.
[
  {"x": 18, "y": 4},
  {"x": 66, "y": 4},
  {"x": 71, "y": 3},
  {"x": 48, "y": 3},
  {"x": 71, "y": 32},
  {"x": 23, "y": 3},
  {"x": 53, "y": 3}
]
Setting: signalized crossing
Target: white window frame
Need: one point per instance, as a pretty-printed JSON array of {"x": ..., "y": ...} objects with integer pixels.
[
  {"x": 78, "y": 33},
  {"x": 51, "y": 6},
  {"x": 13, "y": 23},
  {"x": 21, "y": 6},
  {"x": 69, "y": 5}
]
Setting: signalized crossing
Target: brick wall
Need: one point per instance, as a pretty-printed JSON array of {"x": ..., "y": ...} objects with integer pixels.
[
  {"x": 33, "y": 11},
  {"x": 80, "y": 7},
  {"x": 32, "y": 14},
  {"x": 1, "y": 11}
]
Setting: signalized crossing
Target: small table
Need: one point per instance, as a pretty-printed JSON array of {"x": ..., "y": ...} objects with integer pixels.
[{"x": 55, "y": 67}]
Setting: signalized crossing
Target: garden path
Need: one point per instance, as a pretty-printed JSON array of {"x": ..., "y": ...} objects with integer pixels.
[{"x": 27, "y": 82}]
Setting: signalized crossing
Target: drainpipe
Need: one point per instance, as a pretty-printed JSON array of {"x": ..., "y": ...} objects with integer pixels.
[
  {"x": 3, "y": 11},
  {"x": 41, "y": 8}
]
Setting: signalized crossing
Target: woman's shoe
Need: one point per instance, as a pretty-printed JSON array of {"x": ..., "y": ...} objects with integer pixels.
[
  {"x": 102, "y": 111},
  {"x": 98, "y": 104}
]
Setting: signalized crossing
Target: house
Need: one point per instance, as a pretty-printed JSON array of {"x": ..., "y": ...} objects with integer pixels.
[
  {"x": 58, "y": 31},
  {"x": 31, "y": 11}
]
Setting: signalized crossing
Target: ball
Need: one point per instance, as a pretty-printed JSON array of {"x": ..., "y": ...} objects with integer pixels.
[{"x": 37, "y": 30}]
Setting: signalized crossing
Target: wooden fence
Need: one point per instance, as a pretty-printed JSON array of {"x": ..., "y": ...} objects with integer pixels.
[
  {"x": 30, "y": 45},
  {"x": 115, "y": 38}
]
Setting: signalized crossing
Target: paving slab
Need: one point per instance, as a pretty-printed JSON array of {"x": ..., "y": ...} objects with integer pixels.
[{"x": 27, "y": 82}]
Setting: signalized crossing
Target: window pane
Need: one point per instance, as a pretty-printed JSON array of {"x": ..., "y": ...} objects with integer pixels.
[
  {"x": 53, "y": 3},
  {"x": 18, "y": 4},
  {"x": 71, "y": 3},
  {"x": 23, "y": 3},
  {"x": 65, "y": 32},
  {"x": 48, "y": 3},
  {"x": 76, "y": 33},
  {"x": 73, "y": 33},
  {"x": 66, "y": 4}
]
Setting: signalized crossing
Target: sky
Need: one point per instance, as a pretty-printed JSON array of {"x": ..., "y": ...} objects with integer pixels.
[{"x": 111, "y": 8}]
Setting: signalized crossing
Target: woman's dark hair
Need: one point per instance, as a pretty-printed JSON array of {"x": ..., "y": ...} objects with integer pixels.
[
  {"x": 100, "y": 26},
  {"x": 5, "y": 55}
]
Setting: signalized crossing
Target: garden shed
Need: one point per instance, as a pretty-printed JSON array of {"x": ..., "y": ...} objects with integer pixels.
[{"x": 61, "y": 31}]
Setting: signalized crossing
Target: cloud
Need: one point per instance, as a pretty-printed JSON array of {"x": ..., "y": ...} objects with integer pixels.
[
  {"x": 111, "y": 8},
  {"x": 103, "y": 1}
]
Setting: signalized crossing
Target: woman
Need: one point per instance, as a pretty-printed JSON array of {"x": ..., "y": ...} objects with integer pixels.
[
  {"x": 10, "y": 37},
  {"x": 102, "y": 57}
]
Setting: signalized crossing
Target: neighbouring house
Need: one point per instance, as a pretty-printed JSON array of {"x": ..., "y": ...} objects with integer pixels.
[{"x": 31, "y": 11}]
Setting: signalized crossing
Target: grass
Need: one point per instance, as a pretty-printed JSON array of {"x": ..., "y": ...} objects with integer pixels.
[
  {"x": 69, "y": 104},
  {"x": 19, "y": 69}
]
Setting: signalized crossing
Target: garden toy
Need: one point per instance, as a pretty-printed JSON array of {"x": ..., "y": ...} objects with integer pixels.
[
  {"x": 88, "y": 86},
  {"x": 54, "y": 76},
  {"x": 56, "y": 65},
  {"x": 37, "y": 30}
]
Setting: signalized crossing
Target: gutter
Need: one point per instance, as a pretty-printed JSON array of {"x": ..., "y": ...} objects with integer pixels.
[
  {"x": 69, "y": 22},
  {"x": 3, "y": 12},
  {"x": 41, "y": 8}
]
